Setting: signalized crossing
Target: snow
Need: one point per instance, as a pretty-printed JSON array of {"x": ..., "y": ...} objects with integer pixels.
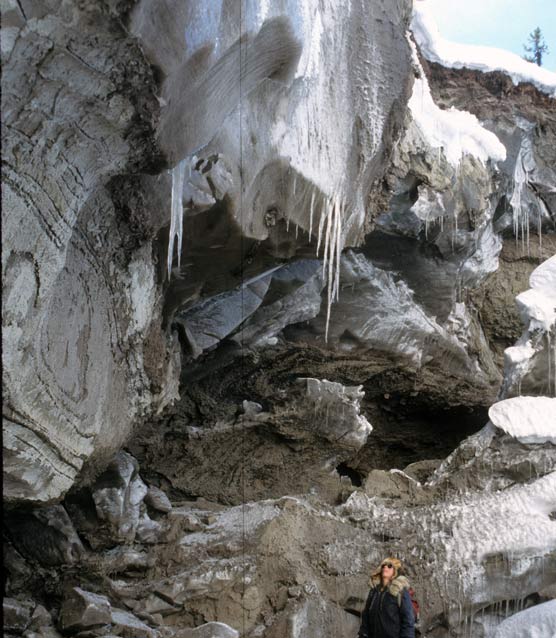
[
  {"x": 536, "y": 622},
  {"x": 544, "y": 276},
  {"x": 465, "y": 532},
  {"x": 538, "y": 304},
  {"x": 457, "y": 132},
  {"x": 528, "y": 419},
  {"x": 482, "y": 58},
  {"x": 537, "y": 307}
]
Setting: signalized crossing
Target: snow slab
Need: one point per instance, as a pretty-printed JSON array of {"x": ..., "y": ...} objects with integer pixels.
[
  {"x": 528, "y": 419},
  {"x": 482, "y": 58},
  {"x": 536, "y": 622},
  {"x": 538, "y": 304},
  {"x": 457, "y": 132},
  {"x": 544, "y": 276},
  {"x": 539, "y": 307}
]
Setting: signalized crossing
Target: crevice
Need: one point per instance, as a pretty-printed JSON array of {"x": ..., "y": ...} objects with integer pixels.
[{"x": 354, "y": 476}]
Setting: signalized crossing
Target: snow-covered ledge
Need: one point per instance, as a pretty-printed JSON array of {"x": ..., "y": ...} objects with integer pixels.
[
  {"x": 528, "y": 419},
  {"x": 482, "y": 58}
]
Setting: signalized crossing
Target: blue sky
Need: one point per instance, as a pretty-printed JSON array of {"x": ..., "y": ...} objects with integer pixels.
[{"x": 504, "y": 24}]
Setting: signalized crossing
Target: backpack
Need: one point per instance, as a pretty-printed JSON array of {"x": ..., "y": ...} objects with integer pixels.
[{"x": 414, "y": 602}]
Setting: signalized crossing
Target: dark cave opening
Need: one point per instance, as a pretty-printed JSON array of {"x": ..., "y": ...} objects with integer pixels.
[
  {"x": 404, "y": 434},
  {"x": 354, "y": 476}
]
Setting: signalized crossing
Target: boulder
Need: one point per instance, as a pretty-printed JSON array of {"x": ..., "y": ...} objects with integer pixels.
[
  {"x": 82, "y": 610},
  {"x": 157, "y": 499},
  {"x": 45, "y": 534},
  {"x": 422, "y": 470},
  {"x": 17, "y": 614},
  {"x": 118, "y": 495},
  {"x": 127, "y": 625},
  {"x": 209, "y": 630}
]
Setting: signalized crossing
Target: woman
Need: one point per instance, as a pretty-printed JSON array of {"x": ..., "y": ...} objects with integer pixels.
[{"x": 388, "y": 611}]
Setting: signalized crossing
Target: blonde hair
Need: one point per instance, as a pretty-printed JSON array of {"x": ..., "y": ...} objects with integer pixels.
[{"x": 377, "y": 574}]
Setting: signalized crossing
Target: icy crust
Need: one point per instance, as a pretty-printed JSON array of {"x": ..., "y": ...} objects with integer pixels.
[
  {"x": 537, "y": 307},
  {"x": 544, "y": 276},
  {"x": 528, "y": 419},
  {"x": 480, "y": 547},
  {"x": 536, "y": 622},
  {"x": 456, "y": 132},
  {"x": 451, "y": 54}
]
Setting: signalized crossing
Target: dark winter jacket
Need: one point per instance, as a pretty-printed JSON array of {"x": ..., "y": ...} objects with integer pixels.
[{"x": 383, "y": 616}]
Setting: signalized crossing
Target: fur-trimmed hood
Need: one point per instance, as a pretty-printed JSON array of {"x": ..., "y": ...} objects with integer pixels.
[{"x": 395, "y": 588}]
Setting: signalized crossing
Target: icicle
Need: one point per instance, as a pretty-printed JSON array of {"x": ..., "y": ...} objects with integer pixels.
[
  {"x": 330, "y": 249},
  {"x": 176, "y": 216},
  {"x": 311, "y": 208},
  {"x": 296, "y": 230},
  {"x": 330, "y": 212},
  {"x": 323, "y": 214},
  {"x": 338, "y": 252}
]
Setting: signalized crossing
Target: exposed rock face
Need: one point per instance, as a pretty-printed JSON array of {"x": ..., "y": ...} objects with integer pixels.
[
  {"x": 80, "y": 291},
  {"x": 294, "y": 446}
]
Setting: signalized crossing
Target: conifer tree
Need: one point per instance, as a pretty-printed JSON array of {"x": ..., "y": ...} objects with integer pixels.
[{"x": 536, "y": 47}]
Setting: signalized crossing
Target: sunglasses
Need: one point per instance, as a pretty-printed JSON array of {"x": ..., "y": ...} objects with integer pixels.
[{"x": 389, "y": 565}]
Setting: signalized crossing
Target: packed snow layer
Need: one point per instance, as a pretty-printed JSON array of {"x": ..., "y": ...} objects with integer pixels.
[
  {"x": 456, "y": 132},
  {"x": 538, "y": 304},
  {"x": 537, "y": 307},
  {"x": 482, "y": 58},
  {"x": 528, "y": 419},
  {"x": 471, "y": 536},
  {"x": 536, "y": 622},
  {"x": 544, "y": 276}
]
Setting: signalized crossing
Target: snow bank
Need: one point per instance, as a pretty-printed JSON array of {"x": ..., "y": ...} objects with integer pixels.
[
  {"x": 538, "y": 304},
  {"x": 451, "y": 54},
  {"x": 456, "y": 132},
  {"x": 544, "y": 276},
  {"x": 537, "y": 307},
  {"x": 536, "y": 622},
  {"x": 528, "y": 419}
]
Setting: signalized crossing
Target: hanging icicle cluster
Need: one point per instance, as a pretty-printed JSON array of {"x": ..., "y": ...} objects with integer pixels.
[
  {"x": 176, "y": 219},
  {"x": 331, "y": 215},
  {"x": 330, "y": 236},
  {"x": 520, "y": 212}
]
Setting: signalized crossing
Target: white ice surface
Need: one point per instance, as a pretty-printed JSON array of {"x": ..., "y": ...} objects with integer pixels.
[
  {"x": 528, "y": 419},
  {"x": 538, "y": 304},
  {"x": 482, "y": 58},
  {"x": 537, "y": 307},
  {"x": 544, "y": 276},
  {"x": 536, "y": 622},
  {"x": 457, "y": 132},
  {"x": 466, "y": 531}
]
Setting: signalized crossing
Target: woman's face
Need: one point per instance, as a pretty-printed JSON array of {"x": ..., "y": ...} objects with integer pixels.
[{"x": 386, "y": 571}]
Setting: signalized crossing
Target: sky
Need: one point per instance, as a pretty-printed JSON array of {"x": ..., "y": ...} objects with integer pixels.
[{"x": 504, "y": 24}]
